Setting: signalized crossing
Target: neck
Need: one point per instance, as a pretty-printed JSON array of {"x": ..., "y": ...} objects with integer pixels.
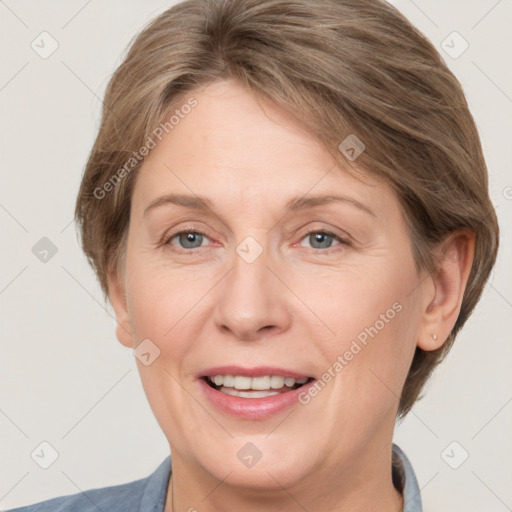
[{"x": 365, "y": 485}]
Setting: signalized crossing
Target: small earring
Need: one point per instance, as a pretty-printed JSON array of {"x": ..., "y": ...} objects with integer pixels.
[{"x": 434, "y": 337}]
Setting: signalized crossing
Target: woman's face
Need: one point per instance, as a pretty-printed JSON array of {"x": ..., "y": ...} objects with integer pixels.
[{"x": 252, "y": 256}]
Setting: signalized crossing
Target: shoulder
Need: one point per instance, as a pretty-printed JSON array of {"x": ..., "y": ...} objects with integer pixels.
[
  {"x": 118, "y": 497},
  {"x": 144, "y": 495}
]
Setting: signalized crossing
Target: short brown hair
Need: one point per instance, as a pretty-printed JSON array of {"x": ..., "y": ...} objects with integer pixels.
[{"x": 341, "y": 67}]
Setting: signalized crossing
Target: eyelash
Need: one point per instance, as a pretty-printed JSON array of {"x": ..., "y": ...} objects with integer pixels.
[{"x": 342, "y": 241}]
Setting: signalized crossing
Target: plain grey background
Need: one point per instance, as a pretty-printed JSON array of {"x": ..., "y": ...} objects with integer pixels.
[{"x": 66, "y": 381}]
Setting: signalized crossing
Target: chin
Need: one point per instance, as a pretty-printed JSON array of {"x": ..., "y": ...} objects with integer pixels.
[{"x": 257, "y": 463}]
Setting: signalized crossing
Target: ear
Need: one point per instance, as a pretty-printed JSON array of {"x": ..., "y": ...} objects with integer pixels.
[
  {"x": 117, "y": 294},
  {"x": 445, "y": 288}
]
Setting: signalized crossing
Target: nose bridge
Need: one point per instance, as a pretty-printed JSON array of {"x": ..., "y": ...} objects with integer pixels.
[{"x": 251, "y": 301}]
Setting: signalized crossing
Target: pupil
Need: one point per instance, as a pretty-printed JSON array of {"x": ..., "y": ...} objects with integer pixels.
[
  {"x": 322, "y": 238},
  {"x": 189, "y": 240}
]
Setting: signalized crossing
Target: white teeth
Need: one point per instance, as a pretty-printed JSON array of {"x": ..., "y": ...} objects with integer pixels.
[
  {"x": 242, "y": 382},
  {"x": 264, "y": 383},
  {"x": 289, "y": 382},
  {"x": 248, "y": 394},
  {"x": 229, "y": 381},
  {"x": 260, "y": 383},
  {"x": 276, "y": 382}
]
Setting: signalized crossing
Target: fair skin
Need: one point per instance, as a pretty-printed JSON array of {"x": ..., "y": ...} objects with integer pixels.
[{"x": 298, "y": 306}]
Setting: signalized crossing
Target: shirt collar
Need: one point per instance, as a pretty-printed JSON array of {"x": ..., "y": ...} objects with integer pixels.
[
  {"x": 155, "y": 491},
  {"x": 405, "y": 480}
]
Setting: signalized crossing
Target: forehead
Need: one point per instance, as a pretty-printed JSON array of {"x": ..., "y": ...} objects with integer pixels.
[{"x": 235, "y": 146}]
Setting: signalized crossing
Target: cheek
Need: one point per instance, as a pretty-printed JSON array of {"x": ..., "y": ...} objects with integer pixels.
[
  {"x": 349, "y": 300},
  {"x": 162, "y": 302},
  {"x": 372, "y": 318}
]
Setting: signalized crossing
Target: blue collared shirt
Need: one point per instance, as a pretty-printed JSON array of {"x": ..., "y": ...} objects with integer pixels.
[{"x": 149, "y": 494}]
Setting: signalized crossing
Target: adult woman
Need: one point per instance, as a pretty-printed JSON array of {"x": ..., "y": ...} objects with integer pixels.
[{"x": 287, "y": 206}]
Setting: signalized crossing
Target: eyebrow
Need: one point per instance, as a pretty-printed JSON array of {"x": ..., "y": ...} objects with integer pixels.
[
  {"x": 302, "y": 203},
  {"x": 294, "y": 205},
  {"x": 195, "y": 202}
]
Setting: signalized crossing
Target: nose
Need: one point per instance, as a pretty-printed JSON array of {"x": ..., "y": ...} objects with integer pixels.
[{"x": 252, "y": 301}]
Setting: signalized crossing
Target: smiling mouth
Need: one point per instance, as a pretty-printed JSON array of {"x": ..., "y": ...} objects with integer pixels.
[{"x": 255, "y": 387}]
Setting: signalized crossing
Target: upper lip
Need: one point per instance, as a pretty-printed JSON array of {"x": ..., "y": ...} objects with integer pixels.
[{"x": 257, "y": 371}]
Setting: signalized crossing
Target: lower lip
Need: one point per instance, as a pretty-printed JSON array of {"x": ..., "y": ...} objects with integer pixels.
[{"x": 253, "y": 408}]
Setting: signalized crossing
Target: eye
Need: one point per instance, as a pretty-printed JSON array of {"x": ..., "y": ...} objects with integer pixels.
[
  {"x": 187, "y": 239},
  {"x": 323, "y": 239}
]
